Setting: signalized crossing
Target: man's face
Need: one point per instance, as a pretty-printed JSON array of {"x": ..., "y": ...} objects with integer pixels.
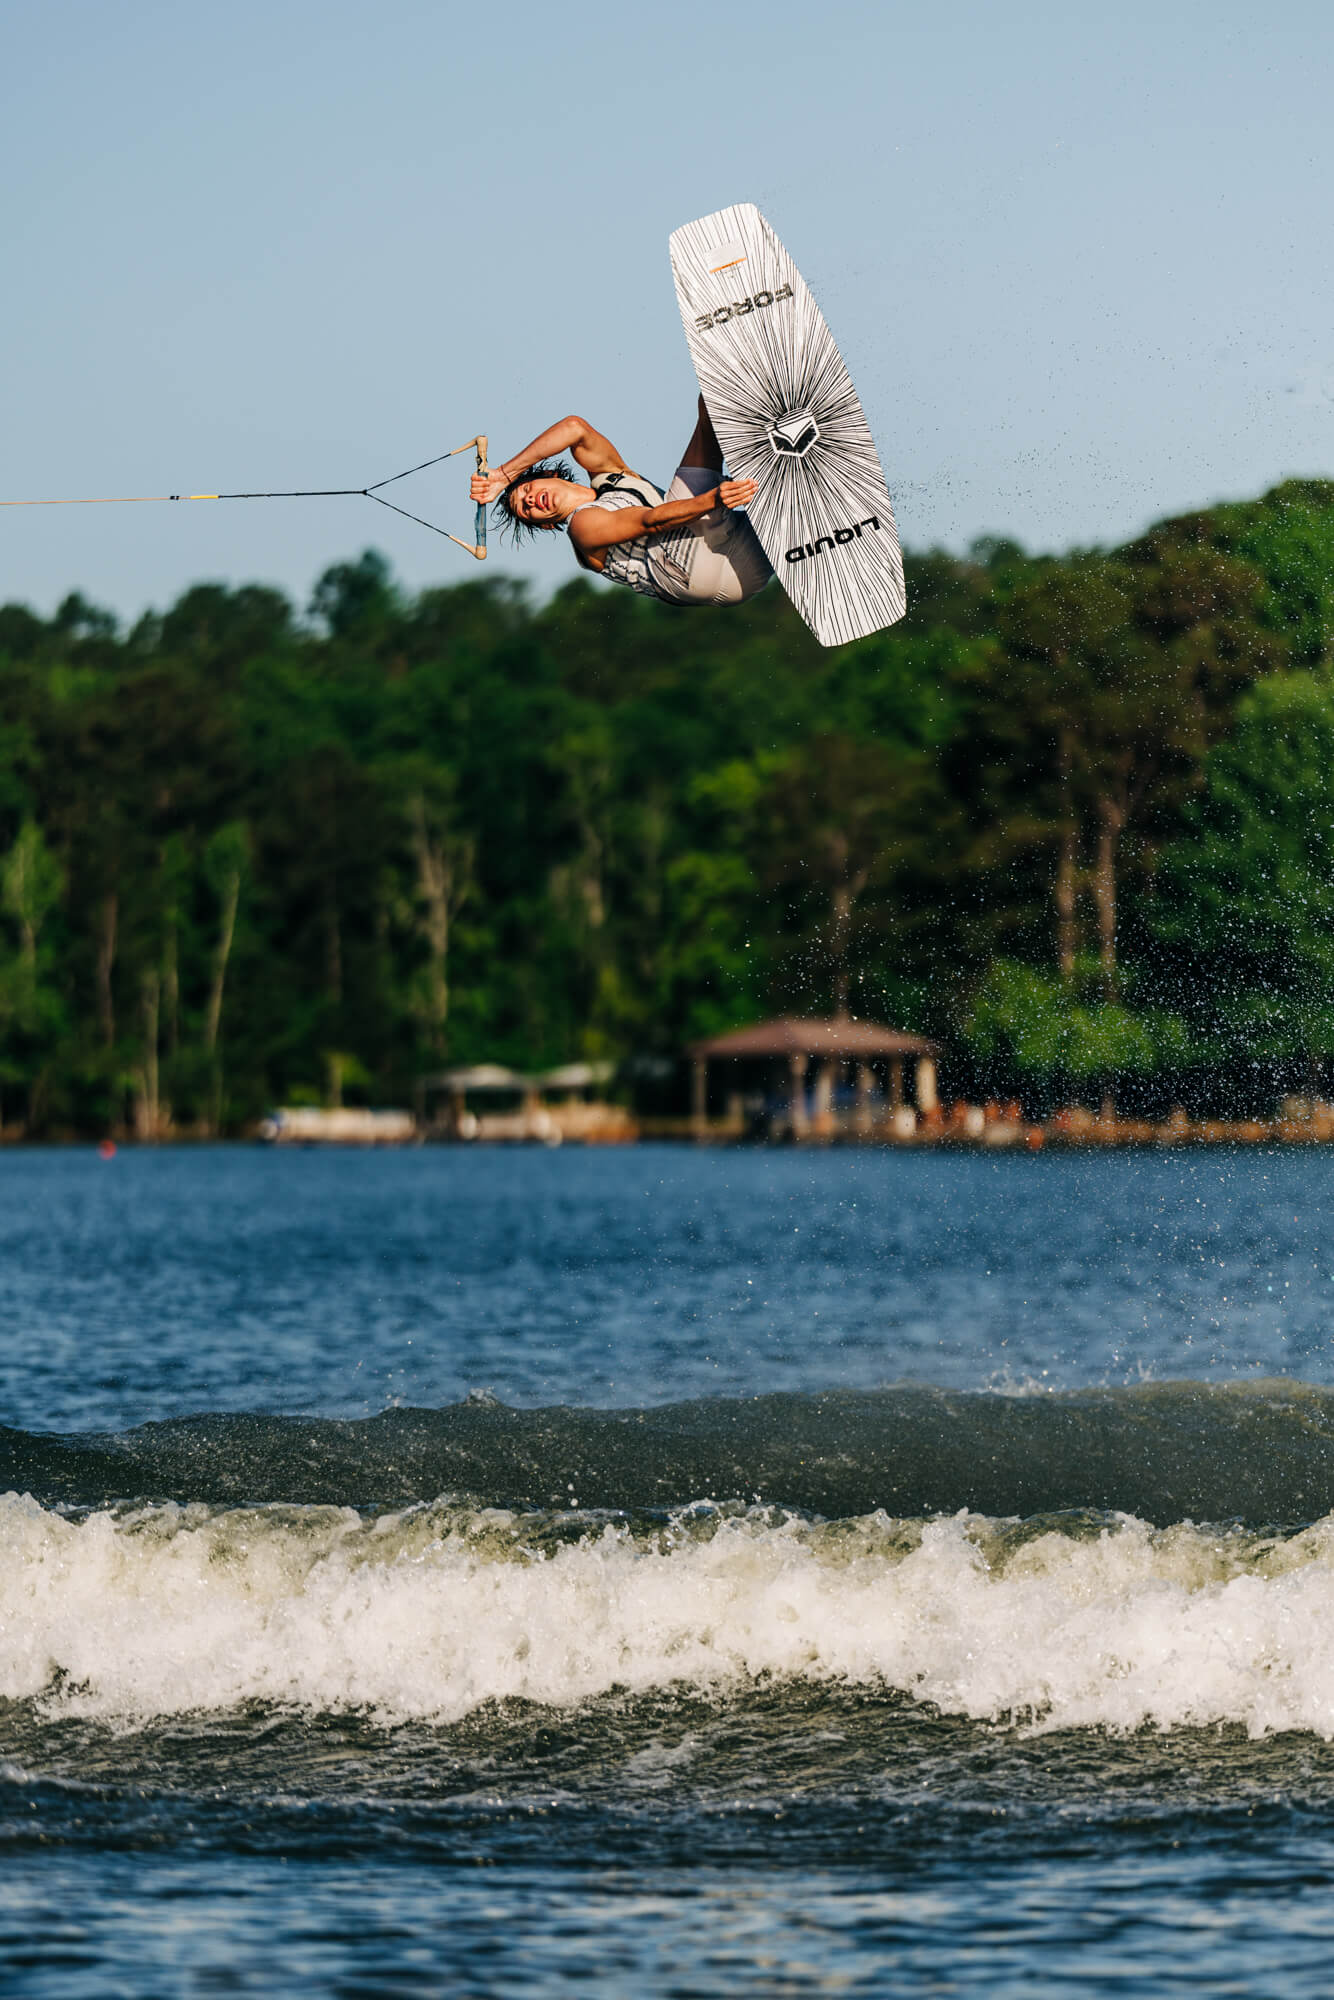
[{"x": 538, "y": 502}]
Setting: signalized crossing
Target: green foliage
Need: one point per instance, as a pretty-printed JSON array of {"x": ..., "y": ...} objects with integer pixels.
[
  {"x": 1288, "y": 536},
  {"x": 1046, "y": 1027},
  {"x": 30, "y": 885},
  {"x": 32, "y": 1015},
  {"x": 248, "y": 857},
  {"x": 1246, "y": 891}
]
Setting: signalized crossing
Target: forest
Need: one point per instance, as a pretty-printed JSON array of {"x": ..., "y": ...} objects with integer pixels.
[{"x": 1074, "y": 816}]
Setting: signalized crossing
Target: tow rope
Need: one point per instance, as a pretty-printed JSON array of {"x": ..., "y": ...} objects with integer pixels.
[{"x": 477, "y": 548}]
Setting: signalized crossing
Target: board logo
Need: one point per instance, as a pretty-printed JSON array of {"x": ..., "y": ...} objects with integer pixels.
[
  {"x": 740, "y": 307},
  {"x": 804, "y": 550},
  {"x": 793, "y": 435},
  {"x": 726, "y": 257}
]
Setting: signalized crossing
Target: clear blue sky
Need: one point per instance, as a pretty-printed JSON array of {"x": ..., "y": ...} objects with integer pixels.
[{"x": 1079, "y": 259}]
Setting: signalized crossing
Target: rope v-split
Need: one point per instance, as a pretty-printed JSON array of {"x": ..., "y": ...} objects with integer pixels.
[{"x": 477, "y": 548}]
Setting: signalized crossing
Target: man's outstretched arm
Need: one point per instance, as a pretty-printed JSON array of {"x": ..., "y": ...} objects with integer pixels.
[
  {"x": 602, "y": 527},
  {"x": 588, "y": 447}
]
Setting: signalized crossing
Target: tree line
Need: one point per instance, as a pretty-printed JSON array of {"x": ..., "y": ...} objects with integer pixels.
[{"x": 1074, "y": 815}]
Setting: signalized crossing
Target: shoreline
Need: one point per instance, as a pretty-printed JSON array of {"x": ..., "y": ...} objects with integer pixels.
[{"x": 1062, "y": 1133}]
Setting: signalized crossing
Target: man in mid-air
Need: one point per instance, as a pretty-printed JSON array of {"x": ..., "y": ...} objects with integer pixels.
[{"x": 684, "y": 547}]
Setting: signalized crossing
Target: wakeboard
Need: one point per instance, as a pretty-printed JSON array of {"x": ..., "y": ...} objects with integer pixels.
[{"x": 787, "y": 416}]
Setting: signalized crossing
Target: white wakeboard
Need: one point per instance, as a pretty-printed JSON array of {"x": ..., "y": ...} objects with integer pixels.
[{"x": 787, "y": 416}]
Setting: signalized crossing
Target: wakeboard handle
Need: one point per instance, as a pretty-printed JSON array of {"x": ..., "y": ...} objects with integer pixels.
[
  {"x": 482, "y": 469},
  {"x": 479, "y": 444}
]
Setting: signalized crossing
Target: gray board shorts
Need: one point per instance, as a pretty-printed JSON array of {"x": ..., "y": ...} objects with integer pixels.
[{"x": 725, "y": 563}]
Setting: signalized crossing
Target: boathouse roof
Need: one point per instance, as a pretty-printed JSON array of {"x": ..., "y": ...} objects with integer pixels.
[{"x": 790, "y": 1034}]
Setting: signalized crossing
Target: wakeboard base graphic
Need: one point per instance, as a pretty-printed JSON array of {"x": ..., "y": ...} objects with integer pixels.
[{"x": 787, "y": 416}]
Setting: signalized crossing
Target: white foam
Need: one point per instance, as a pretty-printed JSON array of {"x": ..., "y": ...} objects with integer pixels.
[{"x": 429, "y": 1613}]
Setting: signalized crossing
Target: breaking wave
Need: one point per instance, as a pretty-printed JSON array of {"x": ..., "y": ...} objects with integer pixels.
[
  {"x": 1159, "y": 1555},
  {"x": 139, "y": 1613}
]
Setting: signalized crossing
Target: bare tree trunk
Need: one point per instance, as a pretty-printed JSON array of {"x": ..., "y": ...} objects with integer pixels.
[
  {"x": 1111, "y": 819},
  {"x": 106, "y": 959},
  {"x": 444, "y": 869},
  {"x": 649, "y": 890},
  {"x": 1063, "y": 894},
  {"x": 435, "y": 885},
  {"x": 1063, "y": 889},
  {"x": 147, "y": 1109},
  {"x": 38, "y": 1092},
  {"x": 231, "y": 896},
  {"x": 846, "y": 886},
  {"x": 590, "y": 880},
  {"x": 842, "y": 924},
  {"x": 171, "y": 988}
]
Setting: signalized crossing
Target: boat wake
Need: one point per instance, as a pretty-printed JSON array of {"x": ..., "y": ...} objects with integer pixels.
[
  {"x": 1058, "y": 1616},
  {"x": 431, "y": 1613}
]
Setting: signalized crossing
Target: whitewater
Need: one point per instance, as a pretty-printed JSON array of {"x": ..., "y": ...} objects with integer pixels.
[{"x": 426, "y": 1615}]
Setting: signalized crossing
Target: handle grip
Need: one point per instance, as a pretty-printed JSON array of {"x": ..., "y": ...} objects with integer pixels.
[{"x": 480, "y": 524}]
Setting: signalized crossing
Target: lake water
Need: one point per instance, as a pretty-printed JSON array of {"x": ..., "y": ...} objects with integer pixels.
[{"x": 666, "y": 1572}]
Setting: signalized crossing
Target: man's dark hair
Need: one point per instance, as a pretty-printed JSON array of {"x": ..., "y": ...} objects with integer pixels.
[{"x": 503, "y": 514}]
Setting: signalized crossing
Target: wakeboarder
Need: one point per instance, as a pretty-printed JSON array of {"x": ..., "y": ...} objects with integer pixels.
[{"x": 685, "y": 546}]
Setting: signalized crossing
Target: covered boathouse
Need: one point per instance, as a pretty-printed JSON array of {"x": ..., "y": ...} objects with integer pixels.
[{"x": 816, "y": 1079}]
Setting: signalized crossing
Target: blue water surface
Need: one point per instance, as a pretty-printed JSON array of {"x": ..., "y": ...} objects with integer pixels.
[
  {"x": 774, "y": 1840},
  {"x": 162, "y": 1283}
]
